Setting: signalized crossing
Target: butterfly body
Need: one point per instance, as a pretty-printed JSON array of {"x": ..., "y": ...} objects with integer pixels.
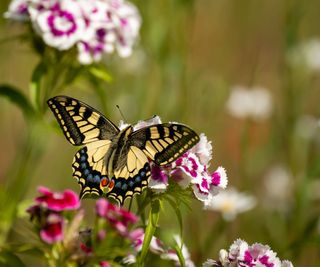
[{"x": 114, "y": 162}]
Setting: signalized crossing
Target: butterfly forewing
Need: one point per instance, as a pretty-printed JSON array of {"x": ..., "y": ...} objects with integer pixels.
[
  {"x": 164, "y": 143},
  {"x": 81, "y": 124}
]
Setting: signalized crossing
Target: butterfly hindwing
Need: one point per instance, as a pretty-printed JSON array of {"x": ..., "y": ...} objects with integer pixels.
[
  {"x": 131, "y": 178},
  {"x": 164, "y": 143},
  {"x": 81, "y": 124},
  {"x": 89, "y": 168}
]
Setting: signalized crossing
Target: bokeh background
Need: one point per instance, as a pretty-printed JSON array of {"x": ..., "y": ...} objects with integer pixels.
[{"x": 190, "y": 56}]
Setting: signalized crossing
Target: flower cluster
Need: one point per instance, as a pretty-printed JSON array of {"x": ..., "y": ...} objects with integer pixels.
[
  {"x": 255, "y": 103},
  {"x": 189, "y": 170},
  {"x": 241, "y": 254},
  {"x": 94, "y": 27},
  {"x": 48, "y": 212}
]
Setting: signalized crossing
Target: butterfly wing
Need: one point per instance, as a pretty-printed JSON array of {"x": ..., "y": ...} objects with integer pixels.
[
  {"x": 81, "y": 124},
  {"x": 132, "y": 177},
  {"x": 164, "y": 143},
  {"x": 89, "y": 168}
]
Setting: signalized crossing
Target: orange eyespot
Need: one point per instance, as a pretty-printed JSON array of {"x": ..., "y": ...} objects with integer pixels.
[
  {"x": 104, "y": 182},
  {"x": 111, "y": 185}
]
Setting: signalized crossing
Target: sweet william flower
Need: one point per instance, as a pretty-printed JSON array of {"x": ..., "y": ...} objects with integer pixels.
[
  {"x": 241, "y": 254},
  {"x": 118, "y": 217},
  {"x": 68, "y": 200},
  {"x": 95, "y": 27},
  {"x": 52, "y": 231},
  {"x": 61, "y": 25},
  {"x": 18, "y": 10}
]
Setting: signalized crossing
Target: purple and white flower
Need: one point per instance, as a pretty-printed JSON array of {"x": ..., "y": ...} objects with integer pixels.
[
  {"x": 94, "y": 27},
  {"x": 18, "y": 10},
  {"x": 241, "y": 254}
]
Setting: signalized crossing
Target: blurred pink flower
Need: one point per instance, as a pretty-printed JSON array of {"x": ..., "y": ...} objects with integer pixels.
[
  {"x": 104, "y": 264},
  {"x": 52, "y": 231},
  {"x": 118, "y": 217},
  {"x": 68, "y": 200}
]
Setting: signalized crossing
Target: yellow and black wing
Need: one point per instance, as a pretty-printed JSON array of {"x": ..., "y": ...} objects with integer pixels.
[
  {"x": 81, "y": 124},
  {"x": 164, "y": 143},
  {"x": 89, "y": 168},
  {"x": 132, "y": 177}
]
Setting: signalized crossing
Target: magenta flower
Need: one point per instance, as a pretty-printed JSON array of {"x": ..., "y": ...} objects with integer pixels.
[
  {"x": 241, "y": 254},
  {"x": 52, "y": 231},
  {"x": 104, "y": 264},
  {"x": 118, "y": 217},
  {"x": 68, "y": 200}
]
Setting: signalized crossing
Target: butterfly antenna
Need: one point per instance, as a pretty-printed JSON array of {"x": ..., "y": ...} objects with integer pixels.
[{"x": 124, "y": 119}]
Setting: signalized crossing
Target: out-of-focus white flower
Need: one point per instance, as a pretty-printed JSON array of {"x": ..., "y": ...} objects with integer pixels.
[
  {"x": 307, "y": 126},
  {"x": 241, "y": 254},
  {"x": 306, "y": 54},
  {"x": 278, "y": 187},
  {"x": 230, "y": 202},
  {"x": 255, "y": 103},
  {"x": 311, "y": 51}
]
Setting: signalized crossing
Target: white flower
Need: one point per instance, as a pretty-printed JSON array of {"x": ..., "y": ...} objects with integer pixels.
[
  {"x": 305, "y": 54},
  {"x": 18, "y": 10},
  {"x": 95, "y": 27},
  {"x": 307, "y": 126},
  {"x": 241, "y": 254},
  {"x": 311, "y": 53},
  {"x": 116, "y": 25},
  {"x": 278, "y": 187},
  {"x": 61, "y": 26},
  {"x": 230, "y": 202},
  {"x": 255, "y": 103},
  {"x": 203, "y": 149}
]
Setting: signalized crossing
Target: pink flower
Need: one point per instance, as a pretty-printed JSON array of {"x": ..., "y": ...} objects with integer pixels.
[
  {"x": 104, "y": 264},
  {"x": 61, "y": 24},
  {"x": 68, "y": 200},
  {"x": 241, "y": 254},
  {"x": 52, "y": 231},
  {"x": 159, "y": 179},
  {"x": 119, "y": 218},
  {"x": 18, "y": 10}
]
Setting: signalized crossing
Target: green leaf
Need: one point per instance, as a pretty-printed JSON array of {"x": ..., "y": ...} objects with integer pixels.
[
  {"x": 9, "y": 259},
  {"x": 35, "y": 84},
  {"x": 150, "y": 229},
  {"x": 100, "y": 73},
  {"x": 19, "y": 99}
]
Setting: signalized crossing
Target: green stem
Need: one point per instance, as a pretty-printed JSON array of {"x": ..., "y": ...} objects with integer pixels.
[{"x": 150, "y": 230}]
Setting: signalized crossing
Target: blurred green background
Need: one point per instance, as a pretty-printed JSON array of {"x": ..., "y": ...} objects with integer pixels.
[{"x": 189, "y": 57}]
